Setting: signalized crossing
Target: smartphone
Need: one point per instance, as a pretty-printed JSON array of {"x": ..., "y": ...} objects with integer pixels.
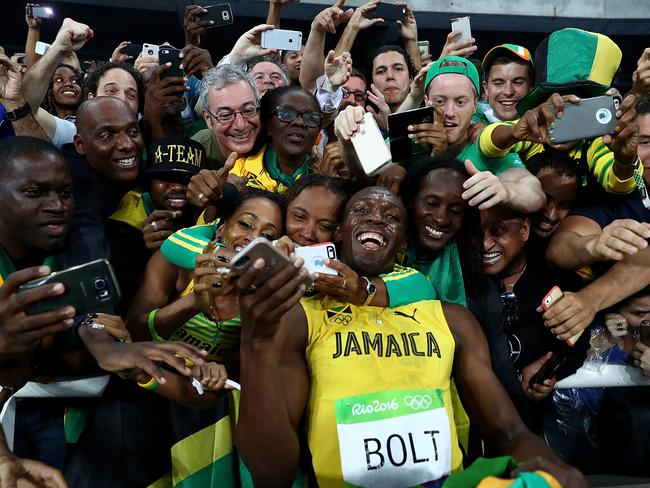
[
  {"x": 170, "y": 55},
  {"x": 423, "y": 46},
  {"x": 286, "y": 40},
  {"x": 592, "y": 117},
  {"x": 645, "y": 332},
  {"x": 369, "y": 145},
  {"x": 41, "y": 12},
  {"x": 388, "y": 12},
  {"x": 551, "y": 297},
  {"x": 548, "y": 369},
  {"x": 150, "y": 50},
  {"x": 88, "y": 287},
  {"x": 133, "y": 50},
  {"x": 315, "y": 255},
  {"x": 41, "y": 47},
  {"x": 221, "y": 14},
  {"x": 462, "y": 24},
  {"x": 274, "y": 260},
  {"x": 401, "y": 146}
]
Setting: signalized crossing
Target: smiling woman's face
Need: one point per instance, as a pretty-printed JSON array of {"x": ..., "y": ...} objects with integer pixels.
[
  {"x": 293, "y": 139},
  {"x": 256, "y": 217}
]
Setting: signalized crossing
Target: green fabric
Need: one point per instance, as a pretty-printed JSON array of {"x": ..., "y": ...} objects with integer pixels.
[
  {"x": 215, "y": 157},
  {"x": 148, "y": 203},
  {"x": 467, "y": 68},
  {"x": 219, "y": 473},
  {"x": 193, "y": 127},
  {"x": 577, "y": 45},
  {"x": 184, "y": 245},
  {"x": 407, "y": 285},
  {"x": 272, "y": 166},
  {"x": 444, "y": 273},
  {"x": 479, "y": 469},
  {"x": 479, "y": 116},
  {"x": 7, "y": 265},
  {"x": 483, "y": 163},
  {"x": 74, "y": 422}
]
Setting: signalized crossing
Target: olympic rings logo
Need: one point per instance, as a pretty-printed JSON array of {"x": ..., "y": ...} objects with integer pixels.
[{"x": 417, "y": 402}]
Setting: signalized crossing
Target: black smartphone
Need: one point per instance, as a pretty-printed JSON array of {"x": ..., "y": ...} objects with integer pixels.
[
  {"x": 388, "y": 12},
  {"x": 548, "y": 369},
  {"x": 274, "y": 260},
  {"x": 88, "y": 287},
  {"x": 220, "y": 14},
  {"x": 41, "y": 12},
  {"x": 401, "y": 146},
  {"x": 134, "y": 50},
  {"x": 645, "y": 332},
  {"x": 170, "y": 55}
]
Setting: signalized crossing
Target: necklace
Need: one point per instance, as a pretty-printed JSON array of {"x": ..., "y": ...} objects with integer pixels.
[
  {"x": 378, "y": 320},
  {"x": 510, "y": 281}
]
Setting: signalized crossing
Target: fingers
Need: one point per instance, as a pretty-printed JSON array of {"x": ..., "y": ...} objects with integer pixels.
[
  {"x": 14, "y": 280},
  {"x": 204, "y": 188},
  {"x": 52, "y": 478}
]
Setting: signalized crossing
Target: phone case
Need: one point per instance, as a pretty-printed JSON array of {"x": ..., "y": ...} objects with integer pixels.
[
  {"x": 645, "y": 332},
  {"x": 592, "y": 117},
  {"x": 369, "y": 145},
  {"x": 274, "y": 259},
  {"x": 462, "y": 24},
  {"x": 150, "y": 51},
  {"x": 134, "y": 49},
  {"x": 401, "y": 146},
  {"x": 315, "y": 255},
  {"x": 423, "y": 46},
  {"x": 388, "y": 12},
  {"x": 170, "y": 55},
  {"x": 88, "y": 287},
  {"x": 221, "y": 14},
  {"x": 286, "y": 40},
  {"x": 551, "y": 297}
]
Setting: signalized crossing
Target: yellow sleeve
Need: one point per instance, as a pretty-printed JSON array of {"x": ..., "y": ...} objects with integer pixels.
[
  {"x": 600, "y": 160},
  {"x": 486, "y": 147}
]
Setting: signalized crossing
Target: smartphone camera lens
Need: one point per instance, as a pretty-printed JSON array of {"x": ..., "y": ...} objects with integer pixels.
[
  {"x": 100, "y": 284},
  {"x": 150, "y": 52},
  {"x": 225, "y": 15},
  {"x": 330, "y": 252}
]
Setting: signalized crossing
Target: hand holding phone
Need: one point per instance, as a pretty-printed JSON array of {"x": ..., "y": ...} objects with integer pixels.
[
  {"x": 170, "y": 55},
  {"x": 369, "y": 146},
  {"x": 220, "y": 15},
  {"x": 274, "y": 261},
  {"x": 548, "y": 370},
  {"x": 150, "y": 50},
  {"x": 41, "y": 12},
  {"x": 401, "y": 147},
  {"x": 22, "y": 333},
  {"x": 592, "y": 117},
  {"x": 388, "y": 12}
]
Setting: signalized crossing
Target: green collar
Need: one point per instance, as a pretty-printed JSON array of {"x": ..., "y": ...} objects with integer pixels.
[
  {"x": 148, "y": 203},
  {"x": 272, "y": 166},
  {"x": 7, "y": 265}
]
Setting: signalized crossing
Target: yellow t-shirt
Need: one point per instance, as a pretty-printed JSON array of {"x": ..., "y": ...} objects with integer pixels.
[{"x": 366, "y": 363}]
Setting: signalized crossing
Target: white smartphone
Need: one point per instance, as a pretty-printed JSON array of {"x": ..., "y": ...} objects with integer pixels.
[
  {"x": 41, "y": 47},
  {"x": 286, "y": 40},
  {"x": 423, "y": 46},
  {"x": 150, "y": 51},
  {"x": 315, "y": 255},
  {"x": 370, "y": 147},
  {"x": 461, "y": 24}
]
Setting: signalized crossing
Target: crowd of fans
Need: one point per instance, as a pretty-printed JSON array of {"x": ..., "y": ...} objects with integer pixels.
[{"x": 419, "y": 360}]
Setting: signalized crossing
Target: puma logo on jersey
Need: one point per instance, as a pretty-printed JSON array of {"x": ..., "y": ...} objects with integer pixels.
[{"x": 412, "y": 317}]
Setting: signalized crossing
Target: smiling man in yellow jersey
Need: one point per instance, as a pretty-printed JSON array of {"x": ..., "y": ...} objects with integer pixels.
[{"x": 370, "y": 383}]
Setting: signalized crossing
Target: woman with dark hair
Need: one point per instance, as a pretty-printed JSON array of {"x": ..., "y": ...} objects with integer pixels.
[
  {"x": 291, "y": 118},
  {"x": 64, "y": 93}
]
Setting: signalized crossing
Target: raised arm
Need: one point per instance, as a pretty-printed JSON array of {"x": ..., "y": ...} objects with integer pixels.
[
  {"x": 358, "y": 22},
  {"x": 313, "y": 57},
  {"x": 273, "y": 374},
  {"x": 488, "y": 404},
  {"x": 275, "y": 6},
  {"x": 408, "y": 31},
  {"x": 33, "y": 36},
  {"x": 580, "y": 241}
]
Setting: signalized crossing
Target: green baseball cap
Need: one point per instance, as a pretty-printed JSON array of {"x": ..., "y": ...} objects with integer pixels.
[{"x": 454, "y": 64}]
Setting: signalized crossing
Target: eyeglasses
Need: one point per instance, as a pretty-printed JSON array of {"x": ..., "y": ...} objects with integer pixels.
[
  {"x": 228, "y": 117},
  {"x": 359, "y": 96},
  {"x": 311, "y": 119}
]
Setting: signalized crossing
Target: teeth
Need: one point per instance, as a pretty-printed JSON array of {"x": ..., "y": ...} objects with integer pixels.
[
  {"x": 240, "y": 137},
  {"x": 126, "y": 161},
  {"x": 507, "y": 103},
  {"x": 371, "y": 236},
  {"x": 491, "y": 257},
  {"x": 433, "y": 232}
]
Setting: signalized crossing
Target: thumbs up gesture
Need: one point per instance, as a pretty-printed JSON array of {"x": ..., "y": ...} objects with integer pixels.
[{"x": 483, "y": 188}]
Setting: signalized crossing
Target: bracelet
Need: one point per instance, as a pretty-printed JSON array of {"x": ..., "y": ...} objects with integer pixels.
[
  {"x": 152, "y": 384},
  {"x": 151, "y": 324},
  {"x": 633, "y": 164}
]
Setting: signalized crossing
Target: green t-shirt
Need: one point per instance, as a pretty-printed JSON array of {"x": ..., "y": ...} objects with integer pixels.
[
  {"x": 483, "y": 163},
  {"x": 213, "y": 153}
]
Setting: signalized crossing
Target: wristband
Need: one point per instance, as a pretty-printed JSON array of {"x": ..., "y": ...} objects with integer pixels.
[
  {"x": 19, "y": 112},
  {"x": 151, "y": 324},
  {"x": 152, "y": 384}
]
